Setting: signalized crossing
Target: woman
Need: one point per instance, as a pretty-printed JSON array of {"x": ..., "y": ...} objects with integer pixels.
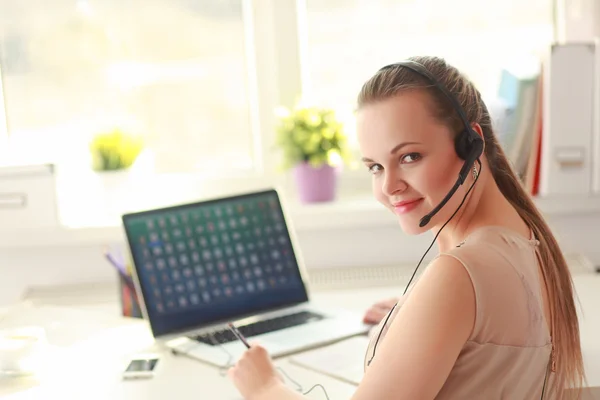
[{"x": 494, "y": 311}]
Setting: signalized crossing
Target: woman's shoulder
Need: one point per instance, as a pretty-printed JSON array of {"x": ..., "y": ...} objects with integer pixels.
[
  {"x": 495, "y": 255},
  {"x": 498, "y": 235},
  {"x": 502, "y": 267},
  {"x": 491, "y": 249}
]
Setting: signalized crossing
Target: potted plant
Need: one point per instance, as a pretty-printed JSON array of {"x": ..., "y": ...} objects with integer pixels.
[
  {"x": 113, "y": 153},
  {"x": 313, "y": 144}
]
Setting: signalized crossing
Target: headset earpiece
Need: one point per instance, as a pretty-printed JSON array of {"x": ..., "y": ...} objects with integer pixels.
[
  {"x": 468, "y": 142},
  {"x": 462, "y": 144}
]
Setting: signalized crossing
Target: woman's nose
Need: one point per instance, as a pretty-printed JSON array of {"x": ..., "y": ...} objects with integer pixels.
[{"x": 393, "y": 184}]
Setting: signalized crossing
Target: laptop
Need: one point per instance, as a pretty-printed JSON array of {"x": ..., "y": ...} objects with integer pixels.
[{"x": 233, "y": 259}]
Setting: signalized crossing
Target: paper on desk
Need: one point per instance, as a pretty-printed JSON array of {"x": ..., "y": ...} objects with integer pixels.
[{"x": 342, "y": 360}]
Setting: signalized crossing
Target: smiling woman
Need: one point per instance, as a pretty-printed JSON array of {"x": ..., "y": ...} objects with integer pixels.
[
  {"x": 418, "y": 171},
  {"x": 493, "y": 315},
  {"x": 497, "y": 210}
]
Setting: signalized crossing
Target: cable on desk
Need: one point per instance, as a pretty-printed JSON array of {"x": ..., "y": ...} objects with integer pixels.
[
  {"x": 299, "y": 386},
  {"x": 315, "y": 386}
]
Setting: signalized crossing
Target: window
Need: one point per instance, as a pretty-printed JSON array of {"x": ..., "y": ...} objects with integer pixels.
[
  {"x": 200, "y": 79},
  {"x": 173, "y": 70},
  {"x": 349, "y": 40}
]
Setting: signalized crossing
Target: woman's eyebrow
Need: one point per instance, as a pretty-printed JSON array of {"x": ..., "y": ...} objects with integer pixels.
[{"x": 396, "y": 148}]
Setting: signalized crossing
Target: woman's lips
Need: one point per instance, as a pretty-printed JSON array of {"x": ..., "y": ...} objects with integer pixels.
[{"x": 407, "y": 206}]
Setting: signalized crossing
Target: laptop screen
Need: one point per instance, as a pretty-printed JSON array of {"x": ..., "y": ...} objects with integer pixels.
[{"x": 213, "y": 261}]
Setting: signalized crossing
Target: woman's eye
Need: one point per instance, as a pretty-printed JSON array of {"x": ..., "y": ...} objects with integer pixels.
[
  {"x": 411, "y": 158},
  {"x": 375, "y": 168}
]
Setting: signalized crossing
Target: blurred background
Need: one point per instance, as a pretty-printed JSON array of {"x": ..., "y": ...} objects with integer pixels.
[{"x": 117, "y": 106}]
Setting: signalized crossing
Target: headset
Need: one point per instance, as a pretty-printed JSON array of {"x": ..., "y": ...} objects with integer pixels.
[
  {"x": 469, "y": 147},
  {"x": 468, "y": 144}
]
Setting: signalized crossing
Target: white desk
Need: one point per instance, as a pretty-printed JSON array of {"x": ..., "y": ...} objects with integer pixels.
[{"x": 99, "y": 343}]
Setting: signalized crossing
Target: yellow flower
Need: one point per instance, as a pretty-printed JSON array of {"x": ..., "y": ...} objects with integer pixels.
[{"x": 115, "y": 150}]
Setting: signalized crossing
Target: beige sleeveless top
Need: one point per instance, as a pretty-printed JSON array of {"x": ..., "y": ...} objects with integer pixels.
[{"x": 508, "y": 353}]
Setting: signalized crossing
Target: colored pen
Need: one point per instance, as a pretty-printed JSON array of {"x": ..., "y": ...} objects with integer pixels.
[
  {"x": 238, "y": 335},
  {"x": 121, "y": 269}
]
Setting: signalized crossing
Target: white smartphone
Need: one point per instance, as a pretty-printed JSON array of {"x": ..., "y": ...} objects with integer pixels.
[{"x": 141, "y": 367}]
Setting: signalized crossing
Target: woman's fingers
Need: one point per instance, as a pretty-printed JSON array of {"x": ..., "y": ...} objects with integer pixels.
[
  {"x": 386, "y": 304},
  {"x": 374, "y": 315},
  {"x": 379, "y": 310}
]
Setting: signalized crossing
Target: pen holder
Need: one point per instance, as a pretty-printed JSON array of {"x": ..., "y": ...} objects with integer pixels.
[{"x": 130, "y": 305}]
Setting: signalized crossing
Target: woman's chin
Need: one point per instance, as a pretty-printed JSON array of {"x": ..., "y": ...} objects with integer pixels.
[{"x": 410, "y": 226}]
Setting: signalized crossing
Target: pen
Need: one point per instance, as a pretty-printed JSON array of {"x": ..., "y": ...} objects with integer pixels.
[
  {"x": 238, "y": 335},
  {"x": 119, "y": 266}
]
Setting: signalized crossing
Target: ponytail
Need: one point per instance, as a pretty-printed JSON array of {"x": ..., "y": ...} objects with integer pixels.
[{"x": 566, "y": 360}]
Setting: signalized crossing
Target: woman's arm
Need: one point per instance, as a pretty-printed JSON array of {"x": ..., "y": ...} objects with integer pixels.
[
  {"x": 425, "y": 338},
  {"x": 416, "y": 355}
]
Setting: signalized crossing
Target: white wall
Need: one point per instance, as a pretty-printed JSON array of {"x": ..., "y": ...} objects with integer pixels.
[{"x": 577, "y": 20}]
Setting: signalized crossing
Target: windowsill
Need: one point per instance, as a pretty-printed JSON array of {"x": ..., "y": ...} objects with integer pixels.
[{"x": 356, "y": 211}]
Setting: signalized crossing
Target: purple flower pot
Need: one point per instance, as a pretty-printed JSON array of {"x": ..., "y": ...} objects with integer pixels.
[{"x": 315, "y": 185}]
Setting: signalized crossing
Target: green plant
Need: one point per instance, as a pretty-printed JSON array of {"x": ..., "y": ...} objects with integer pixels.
[
  {"x": 310, "y": 134},
  {"x": 114, "y": 150}
]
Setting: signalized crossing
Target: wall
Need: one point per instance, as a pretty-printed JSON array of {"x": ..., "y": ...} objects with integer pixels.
[{"x": 577, "y": 20}]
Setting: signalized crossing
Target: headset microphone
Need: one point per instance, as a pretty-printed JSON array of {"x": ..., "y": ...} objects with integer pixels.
[
  {"x": 476, "y": 148},
  {"x": 425, "y": 220}
]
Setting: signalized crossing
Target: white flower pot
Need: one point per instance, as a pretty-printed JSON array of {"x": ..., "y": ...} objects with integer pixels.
[{"x": 114, "y": 189}]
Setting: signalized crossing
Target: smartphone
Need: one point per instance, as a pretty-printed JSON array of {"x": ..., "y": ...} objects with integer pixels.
[{"x": 141, "y": 367}]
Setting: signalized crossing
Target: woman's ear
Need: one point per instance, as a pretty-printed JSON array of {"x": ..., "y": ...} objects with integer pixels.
[{"x": 477, "y": 128}]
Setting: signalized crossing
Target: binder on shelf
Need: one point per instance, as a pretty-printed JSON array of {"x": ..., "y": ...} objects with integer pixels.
[
  {"x": 519, "y": 90},
  {"x": 569, "y": 112},
  {"x": 533, "y": 164}
]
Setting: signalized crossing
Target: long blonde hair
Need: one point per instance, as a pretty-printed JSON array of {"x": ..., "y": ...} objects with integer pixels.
[{"x": 564, "y": 324}]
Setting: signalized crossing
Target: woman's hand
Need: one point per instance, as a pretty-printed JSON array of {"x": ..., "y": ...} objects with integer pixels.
[
  {"x": 254, "y": 373},
  {"x": 379, "y": 310}
]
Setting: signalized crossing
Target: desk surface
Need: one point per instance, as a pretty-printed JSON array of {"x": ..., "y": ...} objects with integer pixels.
[{"x": 92, "y": 346}]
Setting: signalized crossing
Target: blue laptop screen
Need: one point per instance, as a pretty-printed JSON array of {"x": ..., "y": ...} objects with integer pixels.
[{"x": 213, "y": 261}]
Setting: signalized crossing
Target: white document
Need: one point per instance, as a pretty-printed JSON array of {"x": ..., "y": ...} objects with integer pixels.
[{"x": 343, "y": 360}]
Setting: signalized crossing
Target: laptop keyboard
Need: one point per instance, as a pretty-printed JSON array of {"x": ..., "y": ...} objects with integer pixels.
[{"x": 259, "y": 328}]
